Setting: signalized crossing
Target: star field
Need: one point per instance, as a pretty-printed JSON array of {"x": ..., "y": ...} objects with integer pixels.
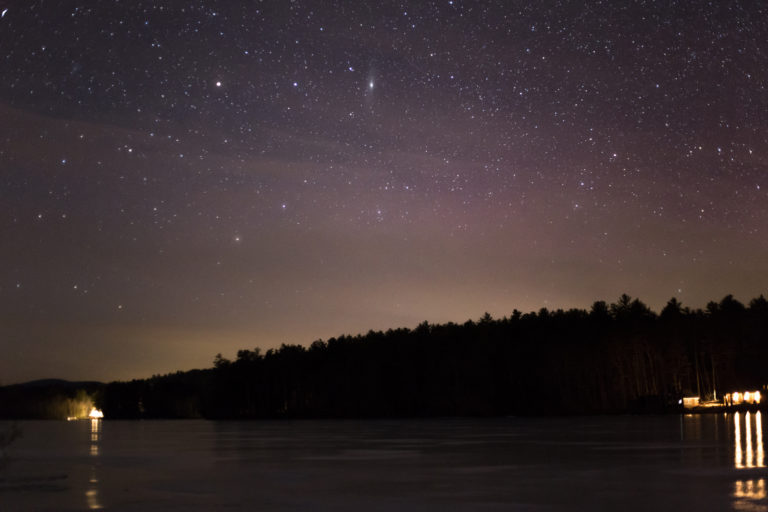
[{"x": 188, "y": 178}]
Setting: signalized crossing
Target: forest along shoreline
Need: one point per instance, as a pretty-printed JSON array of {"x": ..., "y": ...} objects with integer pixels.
[{"x": 614, "y": 358}]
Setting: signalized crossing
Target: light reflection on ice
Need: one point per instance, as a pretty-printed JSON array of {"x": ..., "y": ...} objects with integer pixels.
[
  {"x": 747, "y": 493},
  {"x": 92, "y": 489},
  {"x": 748, "y": 428},
  {"x": 759, "y": 432},
  {"x": 737, "y": 455},
  {"x": 752, "y": 453}
]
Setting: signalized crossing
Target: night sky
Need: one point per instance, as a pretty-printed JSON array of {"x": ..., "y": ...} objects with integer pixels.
[{"x": 179, "y": 179}]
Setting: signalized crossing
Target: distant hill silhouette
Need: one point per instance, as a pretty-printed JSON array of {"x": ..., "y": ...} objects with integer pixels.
[
  {"x": 613, "y": 358},
  {"x": 56, "y": 383}
]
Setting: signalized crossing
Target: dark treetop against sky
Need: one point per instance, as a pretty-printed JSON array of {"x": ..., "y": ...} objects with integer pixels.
[{"x": 183, "y": 178}]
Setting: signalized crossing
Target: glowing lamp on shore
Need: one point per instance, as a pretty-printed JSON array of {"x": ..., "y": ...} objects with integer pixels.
[
  {"x": 95, "y": 414},
  {"x": 745, "y": 397}
]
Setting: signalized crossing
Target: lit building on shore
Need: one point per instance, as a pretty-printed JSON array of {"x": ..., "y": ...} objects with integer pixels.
[
  {"x": 743, "y": 398},
  {"x": 689, "y": 402}
]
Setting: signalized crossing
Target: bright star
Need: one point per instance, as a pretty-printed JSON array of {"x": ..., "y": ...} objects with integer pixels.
[{"x": 218, "y": 84}]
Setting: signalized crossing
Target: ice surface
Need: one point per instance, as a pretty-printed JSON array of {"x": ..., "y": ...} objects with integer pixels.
[{"x": 606, "y": 463}]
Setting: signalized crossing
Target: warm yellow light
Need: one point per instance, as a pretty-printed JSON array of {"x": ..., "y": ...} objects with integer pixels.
[
  {"x": 759, "y": 434},
  {"x": 746, "y": 397},
  {"x": 737, "y": 454},
  {"x": 95, "y": 414},
  {"x": 750, "y": 490},
  {"x": 92, "y": 497},
  {"x": 748, "y": 437},
  {"x": 690, "y": 401}
]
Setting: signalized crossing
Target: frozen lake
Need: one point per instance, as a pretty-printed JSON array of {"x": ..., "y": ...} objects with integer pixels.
[{"x": 708, "y": 462}]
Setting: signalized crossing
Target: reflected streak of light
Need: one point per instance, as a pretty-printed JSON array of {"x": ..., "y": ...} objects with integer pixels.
[
  {"x": 737, "y": 440},
  {"x": 95, "y": 431},
  {"x": 747, "y": 491},
  {"x": 759, "y": 434},
  {"x": 92, "y": 493},
  {"x": 92, "y": 498},
  {"x": 753, "y": 453},
  {"x": 748, "y": 435}
]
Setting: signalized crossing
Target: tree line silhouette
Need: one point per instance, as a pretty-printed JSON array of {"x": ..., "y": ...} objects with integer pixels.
[
  {"x": 613, "y": 358},
  {"x": 48, "y": 399}
]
